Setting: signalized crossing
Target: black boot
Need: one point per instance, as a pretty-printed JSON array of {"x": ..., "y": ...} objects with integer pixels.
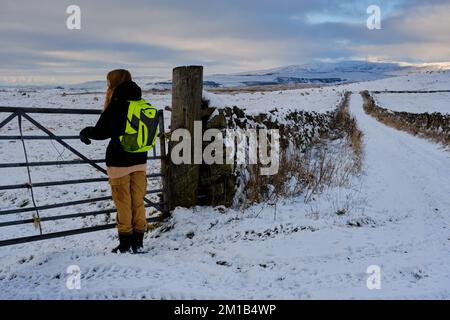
[
  {"x": 137, "y": 242},
  {"x": 125, "y": 243}
]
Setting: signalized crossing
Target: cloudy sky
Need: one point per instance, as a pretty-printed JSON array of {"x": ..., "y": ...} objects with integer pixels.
[{"x": 150, "y": 37}]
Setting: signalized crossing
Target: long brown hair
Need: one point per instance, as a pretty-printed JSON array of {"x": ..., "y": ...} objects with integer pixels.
[{"x": 114, "y": 79}]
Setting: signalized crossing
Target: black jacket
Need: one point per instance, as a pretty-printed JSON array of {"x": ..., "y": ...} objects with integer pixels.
[{"x": 111, "y": 125}]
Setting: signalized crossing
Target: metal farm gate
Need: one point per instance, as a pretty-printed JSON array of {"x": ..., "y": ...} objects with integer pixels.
[{"x": 37, "y": 219}]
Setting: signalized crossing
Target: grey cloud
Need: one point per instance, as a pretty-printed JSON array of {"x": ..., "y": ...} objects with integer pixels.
[{"x": 225, "y": 36}]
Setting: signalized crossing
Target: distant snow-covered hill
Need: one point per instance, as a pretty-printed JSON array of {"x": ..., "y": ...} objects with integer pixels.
[
  {"x": 319, "y": 73},
  {"x": 144, "y": 81},
  {"x": 326, "y": 73}
]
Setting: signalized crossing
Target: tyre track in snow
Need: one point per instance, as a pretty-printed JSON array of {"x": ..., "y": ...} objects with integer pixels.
[
  {"x": 407, "y": 177},
  {"x": 412, "y": 168}
]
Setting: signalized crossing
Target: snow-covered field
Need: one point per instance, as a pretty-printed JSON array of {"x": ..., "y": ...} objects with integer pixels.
[
  {"x": 60, "y": 98},
  {"x": 313, "y": 99},
  {"x": 415, "y": 81},
  {"x": 398, "y": 219},
  {"x": 415, "y": 102}
]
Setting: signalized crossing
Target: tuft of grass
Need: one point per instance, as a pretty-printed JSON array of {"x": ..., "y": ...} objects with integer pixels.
[{"x": 24, "y": 203}]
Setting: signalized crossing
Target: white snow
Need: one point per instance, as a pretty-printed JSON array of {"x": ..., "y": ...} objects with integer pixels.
[
  {"x": 437, "y": 80},
  {"x": 60, "y": 98},
  {"x": 313, "y": 99},
  {"x": 415, "y": 102},
  {"x": 322, "y": 72},
  {"x": 398, "y": 219}
]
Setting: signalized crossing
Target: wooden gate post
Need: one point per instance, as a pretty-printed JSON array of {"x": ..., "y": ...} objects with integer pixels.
[{"x": 183, "y": 179}]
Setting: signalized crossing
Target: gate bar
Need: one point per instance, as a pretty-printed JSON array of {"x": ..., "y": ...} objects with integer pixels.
[
  {"x": 62, "y": 217},
  {"x": 64, "y": 204},
  {"x": 64, "y": 182},
  {"x": 8, "y": 119},
  {"x": 46, "y": 236},
  {"x": 40, "y": 126},
  {"x": 36, "y": 137},
  {"x": 57, "y": 163},
  {"x": 51, "y": 110}
]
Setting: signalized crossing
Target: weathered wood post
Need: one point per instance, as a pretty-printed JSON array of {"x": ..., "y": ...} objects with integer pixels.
[{"x": 187, "y": 87}]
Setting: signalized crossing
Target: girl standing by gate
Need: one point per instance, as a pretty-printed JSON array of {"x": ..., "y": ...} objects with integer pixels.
[{"x": 126, "y": 170}]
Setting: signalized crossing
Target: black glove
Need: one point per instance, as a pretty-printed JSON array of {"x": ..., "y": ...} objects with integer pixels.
[{"x": 83, "y": 136}]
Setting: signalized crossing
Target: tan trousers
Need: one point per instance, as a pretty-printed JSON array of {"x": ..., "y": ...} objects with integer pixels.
[{"x": 128, "y": 194}]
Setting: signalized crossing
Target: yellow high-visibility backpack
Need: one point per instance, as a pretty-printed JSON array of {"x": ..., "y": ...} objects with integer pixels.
[{"x": 141, "y": 128}]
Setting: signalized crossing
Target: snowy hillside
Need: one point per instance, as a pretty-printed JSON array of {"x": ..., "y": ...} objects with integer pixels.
[
  {"x": 100, "y": 85},
  {"x": 320, "y": 73},
  {"x": 315, "y": 73}
]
